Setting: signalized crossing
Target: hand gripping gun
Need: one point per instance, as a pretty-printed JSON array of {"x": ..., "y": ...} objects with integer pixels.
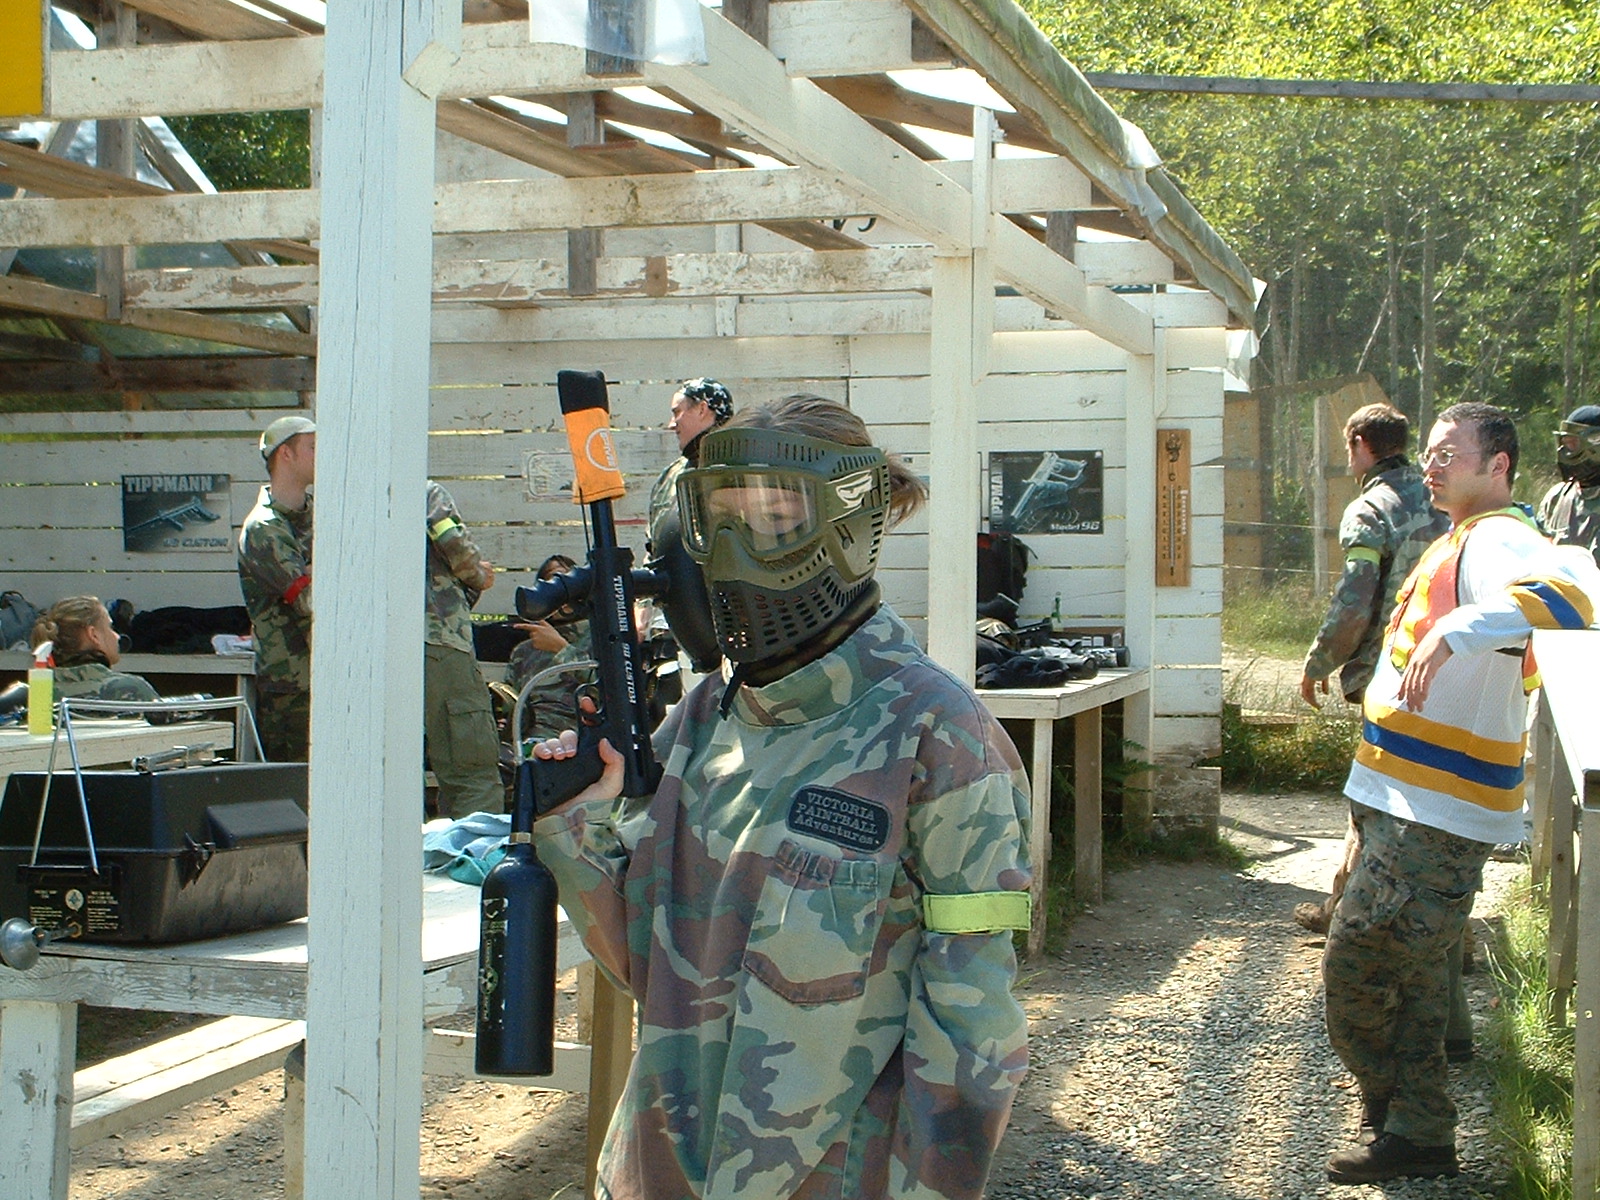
[{"x": 517, "y": 948}]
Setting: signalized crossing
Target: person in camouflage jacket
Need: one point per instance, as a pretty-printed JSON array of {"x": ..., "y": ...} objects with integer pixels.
[
  {"x": 275, "y": 577},
  {"x": 1384, "y": 531},
  {"x": 86, "y": 650},
  {"x": 1570, "y": 511},
  {"x": 457, "y": 711},
  {"x": 814, "y": 908}
]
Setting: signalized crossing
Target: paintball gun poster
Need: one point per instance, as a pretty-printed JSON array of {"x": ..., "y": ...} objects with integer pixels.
[
  {"x": 176, "y": 513},
  {"x": 1049, "y": 491}
]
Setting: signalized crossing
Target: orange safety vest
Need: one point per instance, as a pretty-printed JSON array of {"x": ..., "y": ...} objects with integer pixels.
[{"x": 1433, "y": 589}]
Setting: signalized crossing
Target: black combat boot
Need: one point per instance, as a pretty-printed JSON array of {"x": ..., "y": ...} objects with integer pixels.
[
  {"x": 1390, "y": 1157},
  {"x": 1374, "y": 1111}
]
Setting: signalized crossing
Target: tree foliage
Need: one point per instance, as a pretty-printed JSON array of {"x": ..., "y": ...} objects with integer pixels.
[
  {"x": 249, "y": 150},
  {"x": 1449, "y": 248}
]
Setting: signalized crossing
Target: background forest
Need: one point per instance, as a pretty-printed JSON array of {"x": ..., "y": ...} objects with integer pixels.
[{"x": 1448, "y": 248}]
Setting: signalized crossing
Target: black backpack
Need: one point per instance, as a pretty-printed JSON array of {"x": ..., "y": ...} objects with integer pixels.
[{"x": 16, "y": 620}]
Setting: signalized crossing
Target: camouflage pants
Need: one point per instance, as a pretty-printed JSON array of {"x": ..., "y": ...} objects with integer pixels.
[
  {"x": 458, "y": 719},
  {"x": 283, "y": 719},
  {"x": 1386, "y": 967}
]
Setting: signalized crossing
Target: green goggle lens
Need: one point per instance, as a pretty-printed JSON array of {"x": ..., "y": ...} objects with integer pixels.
[{"x": 770, "y": 511}]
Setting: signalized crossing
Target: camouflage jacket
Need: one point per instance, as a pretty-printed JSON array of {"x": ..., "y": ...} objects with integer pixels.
[
  {"x": 97, "y": 681},
  {"x": 275, "y": 576},
  {"x": 549, "y": 707},
  {"x": 804, "y": 1029},
  {"x": 664, "y": 494},
  {"x": 1384, "y": 531},
  {"x": 1570, "y": 514},
  {"x": 455, "y": 564}
]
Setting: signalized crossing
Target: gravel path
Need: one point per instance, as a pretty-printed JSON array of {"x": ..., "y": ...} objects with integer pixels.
[{"x": 1178, "y": 1048}]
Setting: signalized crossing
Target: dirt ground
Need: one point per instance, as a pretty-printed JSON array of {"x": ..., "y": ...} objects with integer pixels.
[{"x": 1176, "y": 1051}]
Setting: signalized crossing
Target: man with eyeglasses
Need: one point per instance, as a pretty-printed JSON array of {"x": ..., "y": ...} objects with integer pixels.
[
  {"x": 1570, "y": 511},
  {"x": 1437, "y": 781}
]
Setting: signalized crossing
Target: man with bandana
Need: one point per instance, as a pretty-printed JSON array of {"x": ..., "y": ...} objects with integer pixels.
[{"x": 1570, "y": 511}]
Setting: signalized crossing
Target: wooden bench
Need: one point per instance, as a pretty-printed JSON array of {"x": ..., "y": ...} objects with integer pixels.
[{"x": 130, "y": 1089}]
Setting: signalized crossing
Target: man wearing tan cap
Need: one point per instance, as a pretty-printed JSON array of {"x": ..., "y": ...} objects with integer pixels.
[{"x": 275, "y": 576}]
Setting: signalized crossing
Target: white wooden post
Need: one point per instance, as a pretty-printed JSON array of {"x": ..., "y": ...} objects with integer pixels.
[
  {"x": 384, "y": 61},
  {"x": 1146, "y": 399},
  {"x": 38, "y": 1041},
  {"x": 963, "y": 327}
]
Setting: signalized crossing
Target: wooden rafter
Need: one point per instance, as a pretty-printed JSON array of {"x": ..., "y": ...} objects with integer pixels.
[
  {"x": 195, "y": 373},
  {"x": 32, "y": 296},
  {"x": 218, "y": 20},
  {"x": 49, "y": 175}
]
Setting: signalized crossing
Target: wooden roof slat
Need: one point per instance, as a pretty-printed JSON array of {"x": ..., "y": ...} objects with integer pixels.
[
  {"x": 189, "y": 373},
  {"x": 59, "y": 178},
  {"x": 34, "y": 296},
  {"x": 217, "y": 20},
  {"x": 881, "y": 97}
]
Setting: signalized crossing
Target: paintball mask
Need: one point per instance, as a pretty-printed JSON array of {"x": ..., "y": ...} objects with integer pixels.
[
  {"x": 1578, "y": 445},
  {"x": 787, "y": 529}
]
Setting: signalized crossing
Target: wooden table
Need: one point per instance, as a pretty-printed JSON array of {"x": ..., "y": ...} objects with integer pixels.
[
  {"x": 157, "y": 667},
  {"x": 104, "y": 740},
  {"x": 252, "y": 974},
  {"x": 1082, "y": 701}
]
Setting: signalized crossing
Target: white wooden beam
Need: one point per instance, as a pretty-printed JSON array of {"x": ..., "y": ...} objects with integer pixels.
[
  {"x": 364, "y": 993},
  {"x": 183, "y": 78},
  {"x": 842, "y": 37},
  {"x": 1027, "y": 185},
  {"x": 614, "y": 201},
  {"x": 173, "y": 218},
  {"x": 497, "y": 282},
  {"x": 747, "y": 87},
  {"x": 1061, "y": 287},
  {"x": 954, "y": 497}
]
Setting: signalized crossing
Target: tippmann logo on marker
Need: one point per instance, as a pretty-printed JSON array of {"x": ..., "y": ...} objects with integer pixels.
[
  {"x": 600, "y": 450},
  {"x": 853, "y": 489}
]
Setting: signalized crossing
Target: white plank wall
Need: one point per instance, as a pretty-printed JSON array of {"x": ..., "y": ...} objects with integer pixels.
[{"x": 493, "y": 405}]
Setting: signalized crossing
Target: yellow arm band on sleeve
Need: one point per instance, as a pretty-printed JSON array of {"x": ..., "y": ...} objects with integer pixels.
[
  {"x": 977, "y": 912},
  {"x": 441, "y": 527},
  {"x": 1363, "y": 554}
]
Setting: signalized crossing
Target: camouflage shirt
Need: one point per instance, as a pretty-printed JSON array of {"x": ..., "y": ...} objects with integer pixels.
[
  {"x": 275, "y": 576},
  {"x": 97, "y": 681},
  {"x": 1384, "y": 532},
  {"x": 454, "y": 564},
  {"x": 1570, "y": 514},
  {"x": 803, "y": 1032},
  {"x": 549, "y": 708}
]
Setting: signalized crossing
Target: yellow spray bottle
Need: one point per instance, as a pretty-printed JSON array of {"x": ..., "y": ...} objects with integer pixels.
[{"x": 41, "y": 688}]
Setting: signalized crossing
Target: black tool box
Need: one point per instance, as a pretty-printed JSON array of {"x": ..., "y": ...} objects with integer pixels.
[{"x": 182, "y": 854}]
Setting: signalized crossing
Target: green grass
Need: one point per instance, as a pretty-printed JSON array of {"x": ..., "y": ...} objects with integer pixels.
[
  {"x": 1532, "y": 1059},
  {"x": 1313, "y": 752},
  {"x": 1279, "y": 621}
]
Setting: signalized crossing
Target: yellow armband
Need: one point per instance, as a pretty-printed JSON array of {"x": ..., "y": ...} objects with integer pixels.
[
  {"x": 1363, "y": 554},
  {"x": 441, "y": 527},
  {"x": 977, "y": 912}
]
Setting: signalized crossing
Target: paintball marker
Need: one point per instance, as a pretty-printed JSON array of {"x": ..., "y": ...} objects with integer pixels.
[{"x": 517, "y": 948}]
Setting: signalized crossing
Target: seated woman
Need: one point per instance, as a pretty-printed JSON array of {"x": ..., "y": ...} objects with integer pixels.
[{"x": 86, "y": 650}]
